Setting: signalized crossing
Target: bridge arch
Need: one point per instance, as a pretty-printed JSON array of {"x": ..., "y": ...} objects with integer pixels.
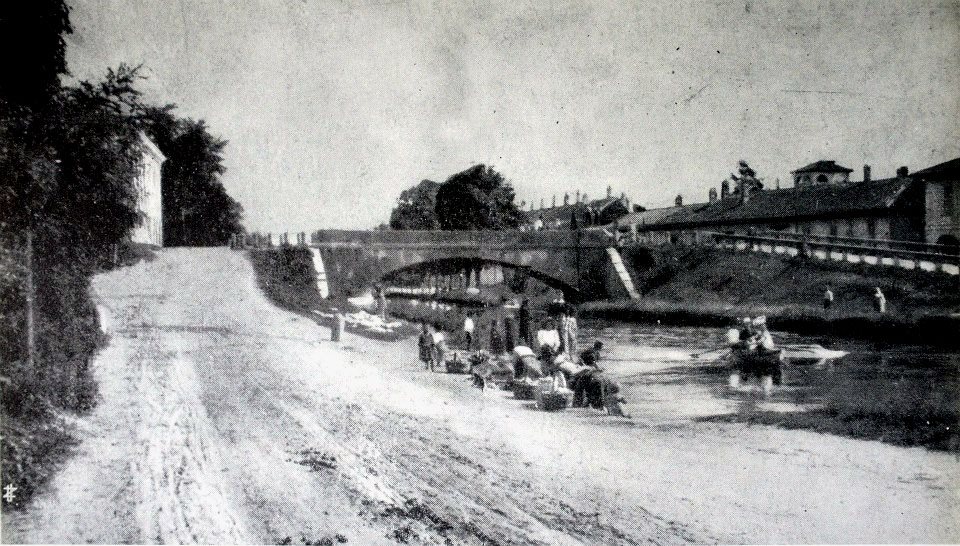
[
  {"x": 576, "y": 262},
  {"x": 570, "y": 293}
]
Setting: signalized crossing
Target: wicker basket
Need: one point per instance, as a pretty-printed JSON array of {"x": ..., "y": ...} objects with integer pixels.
[
  {"x": 524, "y": 391},
  {"x": 550, "y": 399}
]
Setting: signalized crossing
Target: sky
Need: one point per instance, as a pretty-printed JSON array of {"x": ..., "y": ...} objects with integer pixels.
[{"x": 331, "y": 108}]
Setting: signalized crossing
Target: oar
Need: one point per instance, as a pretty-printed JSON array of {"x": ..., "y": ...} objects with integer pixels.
[{"x": 714, "y": 350}]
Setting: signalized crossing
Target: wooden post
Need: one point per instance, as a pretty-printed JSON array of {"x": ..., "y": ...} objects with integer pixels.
[{"x": 31, "y": 322}]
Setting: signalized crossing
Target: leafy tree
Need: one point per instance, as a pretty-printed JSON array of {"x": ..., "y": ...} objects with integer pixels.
[
  {"x": 746, "y": 177},
  {"x": 477, "y": 198},
  {"x": 197, "y": 209},
  {"x": 31, "y": 37},
  {"x": 416, "y": 207}
]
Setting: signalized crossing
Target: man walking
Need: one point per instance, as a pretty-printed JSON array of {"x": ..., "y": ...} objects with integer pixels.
[{"x": 827, "y": 300}]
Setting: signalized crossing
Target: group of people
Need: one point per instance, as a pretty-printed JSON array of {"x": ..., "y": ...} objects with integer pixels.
[
  {"x": 754, "y": 354},
  {"x": 433, "y": 347},
  {"x": 556, "y": 357},
  {"x": 589, "y": 385},
  {"x": 879, "y": 300}
]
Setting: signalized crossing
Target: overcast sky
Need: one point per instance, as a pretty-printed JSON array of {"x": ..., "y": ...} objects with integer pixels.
[{"x": 332, "y": 108}]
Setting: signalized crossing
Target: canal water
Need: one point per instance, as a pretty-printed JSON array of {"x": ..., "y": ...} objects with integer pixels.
[
  {"x": 901, "y": 394},
  {"x": 906, "y": 395}
]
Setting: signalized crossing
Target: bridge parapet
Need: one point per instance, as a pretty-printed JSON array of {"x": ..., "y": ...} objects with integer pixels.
[{"x": 503, "y": 240}]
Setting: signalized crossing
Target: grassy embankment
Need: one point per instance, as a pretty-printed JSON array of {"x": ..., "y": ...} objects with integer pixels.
[
  {"x": 288, "y": 278},
  {"x": 37, "y": 403},
  {"x": 708, "y": 286}
]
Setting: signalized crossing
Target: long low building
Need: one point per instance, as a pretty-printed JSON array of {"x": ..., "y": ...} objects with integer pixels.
[{"x": 887, "y": 209}]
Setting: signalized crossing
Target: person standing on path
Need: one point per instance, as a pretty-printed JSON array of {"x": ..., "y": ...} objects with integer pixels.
[
  {"x": 523, "y": 323},
  {"x": 381, "y": 296},
  {"x": 468, "y": 328},
  {"x": 425, "y": 344},
  {"x": 827, "y": 300},
  {"x": 439, "y": 352},
  {"x": 568, "y": 331},
  {"x": 496, "y": 338},
  {"x": 879, "y": 301}
]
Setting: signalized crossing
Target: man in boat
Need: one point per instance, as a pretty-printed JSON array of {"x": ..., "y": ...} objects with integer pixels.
[{"x": 755, "y": 354}]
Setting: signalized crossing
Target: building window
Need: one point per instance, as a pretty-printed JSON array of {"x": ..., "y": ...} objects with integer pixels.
[
  {"x": 871, "y": 228},
  {"x": 948, "y": 198},
  {"x": 833, "y": 229}
]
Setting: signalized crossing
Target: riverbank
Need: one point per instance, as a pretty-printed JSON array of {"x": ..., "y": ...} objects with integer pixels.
[{"x": 700, "y": 286}]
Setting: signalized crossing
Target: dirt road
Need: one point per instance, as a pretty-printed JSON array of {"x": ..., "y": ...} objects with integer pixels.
[{"x": 225, "y": 419}]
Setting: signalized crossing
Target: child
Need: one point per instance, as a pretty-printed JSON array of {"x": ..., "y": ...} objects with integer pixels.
[{"x": 425, "y": 342}]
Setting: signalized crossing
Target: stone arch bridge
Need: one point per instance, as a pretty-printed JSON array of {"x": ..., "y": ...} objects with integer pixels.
[{"x": 584, "y": 264}]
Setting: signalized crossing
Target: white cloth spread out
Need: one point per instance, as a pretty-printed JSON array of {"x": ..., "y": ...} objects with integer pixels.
[
  {"x": 468, "y": 325},
  {"x": 548, "y": 337}
]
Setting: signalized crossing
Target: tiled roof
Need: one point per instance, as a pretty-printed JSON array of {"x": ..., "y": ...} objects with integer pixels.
[
  {"x": 769, "y": 205},
  {"x": 822, "y": 167},
  {"x": 563, "y": 212},
  {"x": 943, "y": 171}
]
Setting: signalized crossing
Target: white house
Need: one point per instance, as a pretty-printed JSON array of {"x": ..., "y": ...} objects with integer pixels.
[{"x": 149, "y": 204}]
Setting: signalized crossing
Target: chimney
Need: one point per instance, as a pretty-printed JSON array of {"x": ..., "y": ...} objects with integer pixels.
[
  {"x": 713, "y": 194},
  {"x": 866, "y": 173},
  {"x": 609, "y": 192},
  {"x": 578, "y": 196},
  {"x": 566, "y": 199},
  {"x": 724, "y": 189},
  {"x": 679, "y": 200},
  {"x": 541, "y": 203},
  {"x": 553, "y": 204},
  {"x": 744, "y": 192},
  {"x": 584, "y": 196},
  {"x": 903, "y": 172}
]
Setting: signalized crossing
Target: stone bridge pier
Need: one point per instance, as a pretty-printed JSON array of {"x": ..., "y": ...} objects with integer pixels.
[{"x": 579, "y": 263}]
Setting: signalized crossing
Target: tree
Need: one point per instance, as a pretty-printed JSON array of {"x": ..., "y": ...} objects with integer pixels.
[
  {"x": 416, "y": 207},
  {"x": 197, "y": 209},
  {"x": 31, "y": 36},
  {"x": 477, "y": 198},
  {"x": 746, "y": 178}
]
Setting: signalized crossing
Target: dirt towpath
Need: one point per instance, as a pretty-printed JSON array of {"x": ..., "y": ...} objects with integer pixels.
[{"x": 226, "y": 420}]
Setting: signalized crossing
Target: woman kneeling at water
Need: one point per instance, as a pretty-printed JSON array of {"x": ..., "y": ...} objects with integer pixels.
[{"x": 591, "y": 386}]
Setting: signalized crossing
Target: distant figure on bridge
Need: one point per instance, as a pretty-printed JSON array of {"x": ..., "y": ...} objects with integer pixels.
[{"x": 879, "y": 301}]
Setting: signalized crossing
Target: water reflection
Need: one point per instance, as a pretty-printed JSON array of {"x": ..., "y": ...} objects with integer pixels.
[{"x": 907, "y": 395}]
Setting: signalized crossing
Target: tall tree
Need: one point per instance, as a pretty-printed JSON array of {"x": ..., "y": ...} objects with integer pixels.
[
  {"x": 746, "y": 178},
  {"x": 197, "y": 209},
  {"x": 416, "y": 207},
  {"x": 477, "y": 198}
]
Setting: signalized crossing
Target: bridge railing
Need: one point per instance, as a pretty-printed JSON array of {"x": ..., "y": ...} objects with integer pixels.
[
  {"x": 913, "y": 246},
  {"x": 460, "y": 239},
  {"x": 838, "y": 251}
]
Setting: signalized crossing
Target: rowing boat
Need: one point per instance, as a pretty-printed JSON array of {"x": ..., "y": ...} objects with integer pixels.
[{"x": 791, "y": 354}]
